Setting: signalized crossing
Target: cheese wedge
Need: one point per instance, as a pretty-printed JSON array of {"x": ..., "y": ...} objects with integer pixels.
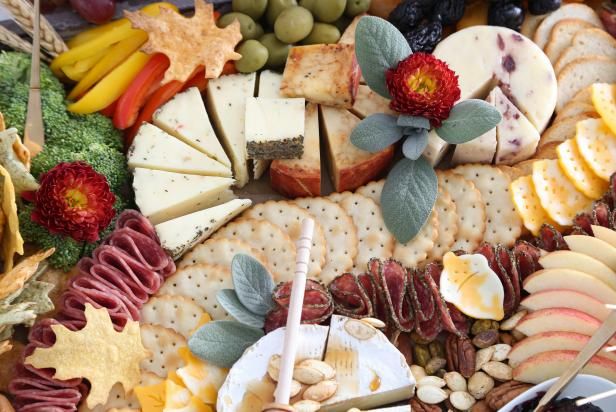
[
  {"x": 226, "y": 103},
  {"x": 578, "y": 171},
  {"x": 597, "y": 145},
  {"x": 185, "y": 117},
  {"x": 155, "y": 149},
  {"x": 269, "y": 87},
  {"x": 179, "y": 235},
  {"x": 517, "y": 138},
  {"x": 436, "y": 148},
  {"x": 350, "y": 167},
  {"x": 301, "y": 177},
  {"x": 163, "y": 196},
  {"x": 369, "y": 102}
]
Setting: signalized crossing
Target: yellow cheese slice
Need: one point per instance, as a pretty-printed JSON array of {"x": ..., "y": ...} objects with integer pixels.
[
  {"x": 151, "y": 397},
  {"x": 578, "y": 171},
  {"x": 177, "y": 396},
  {"x": 597, "y": 145},
  {"x": 528, "y": 205},
  {"x": 604, "y": 100},
  {"x": 558, "y": 196},
  {"x": 201, "y": 378}
]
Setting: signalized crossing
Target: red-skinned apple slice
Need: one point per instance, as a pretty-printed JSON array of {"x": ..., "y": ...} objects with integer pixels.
[
  {"x": 547, "y": 365},
  {"x": 566, "y": 259},
  {"x": 547, "y": 279},
  {"x": 594, "y": 247},
  {"x": 547, "y": 342},
  {"x": 605, "y": 234},
  {"x": 564, "y": 298},
  {"x": 559, "y": 319}
]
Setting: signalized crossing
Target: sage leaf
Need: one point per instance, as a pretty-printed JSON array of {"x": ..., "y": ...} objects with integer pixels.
[
  {"x": 230, "y": 302},
  {"x": 253, "y": 283},
  {"x": 408, "y": 197},
  {"x": 416, "y": 122},
  {"x": 379, "y": 46},
  {"x": 223, "y": 342},
  {"x": 376, "y": 132},
  {"x": 467, "y": 120},
  {"x": 414, "y": 145}
]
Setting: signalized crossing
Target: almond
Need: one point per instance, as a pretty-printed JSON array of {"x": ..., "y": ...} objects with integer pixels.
[
  {"x": 462, "y": 401},
  {"x": 431, "y": 381},
  {"x": 455, "y": 381},
  {"x": 431, "y": 394},
  {"x": 483, "y": 356},
  {"x": 358, "y": 329},
  {"x": 321, "y": 391},
  {"x": 319, "y": 365},
  {"x": 308, "y": 375},
  {"x": 501, "y": 352},
  {"x": 498, "y": 370},
  {"x": 377, "y": 323},
  {"x": 273, "y": 367},
  {"x": 512, "y": 322}
]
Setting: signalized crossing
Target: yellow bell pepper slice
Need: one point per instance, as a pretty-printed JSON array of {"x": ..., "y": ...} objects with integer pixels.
[
  {"x": 117, "y": 54},
  {"x": 88, "y": 35},
  {"x": 78, "y": 70},
  {"x": 111, "y": 87}
]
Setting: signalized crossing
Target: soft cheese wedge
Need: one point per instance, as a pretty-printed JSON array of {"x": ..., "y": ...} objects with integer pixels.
[
  {"x": 163, "y": 196},
  {"x": 179, "y": 235},
  {"x": 269, "y": 87},
  {"x": 226, "y": 101},
  {"x": 301, "y": 177},
  {"x": 369, "y": 102},
  {"x": 155, "y": 149},
  {"x": 185, "y": 117},
  {"x": 350, "y": 167}
]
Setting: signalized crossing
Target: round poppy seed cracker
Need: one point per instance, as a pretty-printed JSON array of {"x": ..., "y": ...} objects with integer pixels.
[
  {"x": 220, "y": 252},
  {"x": 447, "y": 227},
  {"x": 338, "y": 197},
  {"x": 504, "y": 225},
  {"x": 470, "y": 208},
  {"x": 118, "y": 400},
  {"x": 200, "y": 283},
  {"x": 375, "y": 241},
  {"x": 340, "y": 234},
  {"x": 175, "y": 312},
  {"x": 163, "y": 345},
  {"x": 289, "y": 217},
  {"x": 267, "y": 238},
  {"x": 415, "y": 251},
  {"x": 372, "y": 190}
]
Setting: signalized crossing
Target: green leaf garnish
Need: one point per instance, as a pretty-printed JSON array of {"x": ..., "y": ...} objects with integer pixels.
[
  {"x": 223, "y": 342},
  {"x": 408, "y": 197},
  {"x": 376, "y": 132},
  {"x": 467, "y": 120},
  {"x": 378, "y": 46},
  {"x": 416, "y": 122},
  {"x": 231, "y": 304},
  {"x": 253, "y": 283},
  {"x": 415, "y": 144}
]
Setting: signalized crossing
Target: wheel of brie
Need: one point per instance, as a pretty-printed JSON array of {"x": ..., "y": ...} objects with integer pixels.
[{"x": 369, "y": 370}]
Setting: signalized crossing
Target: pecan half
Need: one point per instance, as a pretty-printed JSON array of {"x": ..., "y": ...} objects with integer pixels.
[
  {"x": 503, "y": 394},
  {"x": 419, "y": 406},
  {"x": 451, "y": 352},
  {"x": 481, "y": 406},
  {"x": 460, "y": 355}
]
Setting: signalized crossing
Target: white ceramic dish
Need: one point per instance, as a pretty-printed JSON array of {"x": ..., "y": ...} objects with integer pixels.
[{"x": 582, "y": 385}]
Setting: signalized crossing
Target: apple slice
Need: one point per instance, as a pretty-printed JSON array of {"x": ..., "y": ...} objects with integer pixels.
[
  {"x": 594, "y": 247},
  {"x": 547, "y": 279},
  {"x": 605, "y": 234},
  {"x": 547, "y": 342},
  {"x": 559, "y": 319},
  {"x": 547, "y": 365},
  {"x": 566, "y": 259},
  {"x": 564, "y": 298}
]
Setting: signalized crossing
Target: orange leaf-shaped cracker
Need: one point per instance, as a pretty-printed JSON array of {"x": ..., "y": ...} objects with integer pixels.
[
  {"x": 189, "y": 42},
  {"x": 97, "y": 353}
]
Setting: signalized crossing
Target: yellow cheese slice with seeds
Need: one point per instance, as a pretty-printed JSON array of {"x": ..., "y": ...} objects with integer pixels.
[
  {"x": 558, "y": 196},
  {"x": 604, "y": 100},
  {"x": 597, "y": 144},
  {"x": 528, "y": 205},
  {"x": 578, "y": 171}
]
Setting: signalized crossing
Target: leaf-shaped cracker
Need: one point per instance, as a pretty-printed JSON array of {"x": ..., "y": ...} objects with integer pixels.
[
  {"x": 12, "y": 242},
  {"x": 189, "y": 42},
  {"x": 97, "y": 353}
]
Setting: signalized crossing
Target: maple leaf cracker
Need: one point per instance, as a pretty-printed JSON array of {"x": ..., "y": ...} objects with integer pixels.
[
  {"x": 189, "y": 42},
  {"x": 97, "y": 353}
]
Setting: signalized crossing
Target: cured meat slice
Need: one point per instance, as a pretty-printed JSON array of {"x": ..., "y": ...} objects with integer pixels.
[
  {"x": 421, "y": 296},
  {"x": 584, "y": 222},
  {"x": 526, "y": 258},
  {"x": 132, "y": 219},
  {"x": 431, "y": 325},
  {"x": 350, "y": 297},
  {"x": 550, "y": 239},
  {"x": 488, "y": 251},
  {"x": 506, "y": 262},
  {"x": 461, "y": 322},
  {"x": 601, "y": 214},
  {"x": 613, "y": 220},
  {"x": 445, "y": 311},
  {"x": 510, "y": 297},
  {"x": 392, "y": 278},
  {"x": 381, "y": 308}
]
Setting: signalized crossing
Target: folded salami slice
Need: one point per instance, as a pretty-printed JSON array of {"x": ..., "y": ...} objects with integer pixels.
[
  {"x": 601, "y": 214},
  {"x": 583, "y": 221},
  {"x": 510, "y": 297},
  {"x": 392, "y": 278},
  {"x": 381, "y": 308},
  {"x": 427, "y": 317},
  {"x": 526, "y": 258},
  {"x": 550, "y": 239},
  {"x": 506, "y": 262},
  {"x": 350, "y": 297},
  {"x": 457, "y": 325}
]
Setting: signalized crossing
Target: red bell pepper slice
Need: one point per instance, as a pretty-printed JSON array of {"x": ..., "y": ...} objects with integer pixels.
[
  {"x": 141, "y": 87},
  {"x": 109, "y": 110}
]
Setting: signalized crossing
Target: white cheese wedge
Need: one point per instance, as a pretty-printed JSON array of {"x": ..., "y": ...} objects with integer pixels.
[
  {"x": 274, "y": 128},
  {"x": 248, "y": 387},
  {"x": 517, "y": 137},
  {"x": 269, "y": 86},
  {"x": 185, "y": 117},
  {"x": 481, "y": 149},
  {"x": 179, "y": 235},
  {"x": 436, "y": 148},
  {"x": 368, "y": 102},
  {"x": 155, "y": 149},
  {"x": 370, "y": 371},
  {"x": 163, "y": 196},
  {"x": 226, "y": 102}
]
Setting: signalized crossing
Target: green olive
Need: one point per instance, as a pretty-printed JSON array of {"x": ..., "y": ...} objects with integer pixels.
[
  {"x": 275, "y": 7},
  {"x": 328, "y": 11},
  {"x": 254, "y": 56},
  {"x": 293, "y": 24},
  {"x": 307, "y": 4},
  {"x": 254, "y": 8},
  {"x": 355, "y": 7},
  {"x": 258, "y": 31},
  {"x": 248, "y": 27},
  {"x": 278, "y": 51},
  {"x": 322, "y": 33}
]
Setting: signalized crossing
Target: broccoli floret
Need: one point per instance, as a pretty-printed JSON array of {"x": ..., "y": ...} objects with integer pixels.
[
  {"x": 102, "y": 127},
  {"x": 15, "y": 68}
]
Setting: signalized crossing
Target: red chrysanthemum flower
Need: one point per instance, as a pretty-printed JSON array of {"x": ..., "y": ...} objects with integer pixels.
[
  {"x": 73, "y": 200},
  {"x": 422, "y": 85}
]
